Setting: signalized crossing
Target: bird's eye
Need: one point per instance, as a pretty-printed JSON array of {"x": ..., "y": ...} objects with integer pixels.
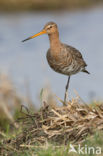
[{"x": 49, "y": 27}]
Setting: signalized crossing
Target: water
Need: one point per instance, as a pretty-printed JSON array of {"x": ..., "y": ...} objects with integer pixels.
[{"x": 27, "y": 61}]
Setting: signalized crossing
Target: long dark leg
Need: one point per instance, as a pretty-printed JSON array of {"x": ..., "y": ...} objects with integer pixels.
[{"x": 66, "y": 91}]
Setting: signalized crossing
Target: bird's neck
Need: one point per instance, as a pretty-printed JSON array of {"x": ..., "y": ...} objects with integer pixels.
[{"x": 54, "y": 42}]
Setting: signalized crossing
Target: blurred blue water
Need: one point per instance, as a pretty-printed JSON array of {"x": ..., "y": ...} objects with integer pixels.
[{"x": 27, "y": 61}]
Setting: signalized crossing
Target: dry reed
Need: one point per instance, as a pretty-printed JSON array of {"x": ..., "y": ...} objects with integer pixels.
[{"x": 57, "y": 124}]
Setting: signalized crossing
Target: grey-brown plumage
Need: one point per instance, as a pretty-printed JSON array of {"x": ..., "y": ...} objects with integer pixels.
[
  {"x": 68, "y": 62},
  {"x": 62, "y": 58}
]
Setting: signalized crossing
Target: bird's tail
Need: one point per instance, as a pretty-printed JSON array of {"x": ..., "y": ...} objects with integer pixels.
[{"x": 84, "y": 70}]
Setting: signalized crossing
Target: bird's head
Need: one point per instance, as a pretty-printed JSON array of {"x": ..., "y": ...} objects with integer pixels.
[{"x": 49, "y": 29}]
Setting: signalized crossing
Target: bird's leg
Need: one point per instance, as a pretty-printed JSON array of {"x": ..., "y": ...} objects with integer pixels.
[{"x": 66, "y": 92}]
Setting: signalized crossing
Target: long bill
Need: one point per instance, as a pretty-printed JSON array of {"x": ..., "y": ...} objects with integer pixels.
[{"x": 38, "y": 34}]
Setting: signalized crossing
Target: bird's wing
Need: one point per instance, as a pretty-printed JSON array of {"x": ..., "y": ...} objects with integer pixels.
[
  {"x": 75, "y": 54},
  {"x": 74, "y": 51}
]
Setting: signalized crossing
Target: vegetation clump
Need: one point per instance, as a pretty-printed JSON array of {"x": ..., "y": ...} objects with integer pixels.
[
  {"x": 53, "y": 127},
  {"x": 58, "y": 124}
]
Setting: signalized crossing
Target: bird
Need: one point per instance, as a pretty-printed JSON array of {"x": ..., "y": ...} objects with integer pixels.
[{"x": 62, "y": 58}]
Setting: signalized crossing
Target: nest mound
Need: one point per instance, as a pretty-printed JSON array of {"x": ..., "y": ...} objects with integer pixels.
[{"x": 59, "y": 124}]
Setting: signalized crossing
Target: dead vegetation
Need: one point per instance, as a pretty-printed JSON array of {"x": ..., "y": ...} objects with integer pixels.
[
  {"x": 10, "y": 101},
  {"x": 59, "y": 125}
]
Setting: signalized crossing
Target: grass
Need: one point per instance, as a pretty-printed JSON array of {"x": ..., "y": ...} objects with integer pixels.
[
  {"x": 52, "y": 130},
  {"x": 52, "y": 150},
  {"x": 45, "y": 5}
]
